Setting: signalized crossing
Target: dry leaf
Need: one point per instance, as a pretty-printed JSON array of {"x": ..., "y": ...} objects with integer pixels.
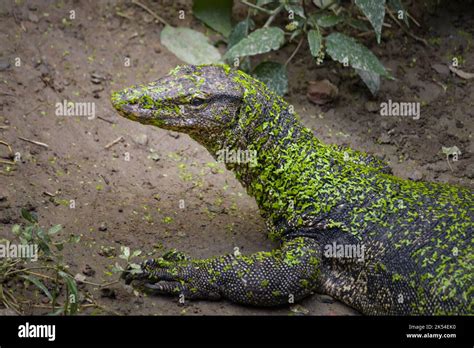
[
  {"x": 462, "y": 74},
  {"x": 321, "y": 92}
]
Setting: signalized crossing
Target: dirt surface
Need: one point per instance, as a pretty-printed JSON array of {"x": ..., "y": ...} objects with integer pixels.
[{"x": 138, "y": 202}]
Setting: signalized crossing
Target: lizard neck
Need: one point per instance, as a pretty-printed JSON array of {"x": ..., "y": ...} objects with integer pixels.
[{"x": 273, "y": 156}]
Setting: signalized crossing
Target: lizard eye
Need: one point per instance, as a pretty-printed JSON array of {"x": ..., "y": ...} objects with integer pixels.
[{"x": 197, "y": 102}]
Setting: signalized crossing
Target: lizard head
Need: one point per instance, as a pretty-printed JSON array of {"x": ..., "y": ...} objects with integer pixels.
[{"x": 198, "y": 100}]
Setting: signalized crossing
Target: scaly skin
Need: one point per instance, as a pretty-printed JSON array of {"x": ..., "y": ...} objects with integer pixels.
[{"x": 416, "y": 237}]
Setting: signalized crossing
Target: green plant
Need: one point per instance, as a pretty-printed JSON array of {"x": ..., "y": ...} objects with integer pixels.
[
  {"x": 323, "y": 24},
  {"x": 131, "y": 267},
  {"x": 50, "y": 276}
]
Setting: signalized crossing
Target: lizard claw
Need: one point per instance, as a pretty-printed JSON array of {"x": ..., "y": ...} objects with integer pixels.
[
  {"x": 182, "y": 289},
  {"x": 130, "y": 274},
  {"x": 165, "y": 277},
  {"x": 175, "y": 255}
]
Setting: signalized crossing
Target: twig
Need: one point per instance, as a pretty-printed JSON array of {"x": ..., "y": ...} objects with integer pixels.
[
  {"x": 413, "y": 19},
  {"x": 97, "y": 284},
  {"x": 105, "y": 179},
  {"x": 10, "y": 302},
  {"x": 35, "y": 142},
  {"x": 49, "y": 194},
  {"x": 4, "y": 127},
  {"x": 386, "y": 25},
  {"x": 46, "y": 306},
  {"x": 8, "y": 146},
  {"x": 118, "y": 13},
  {"x": 109, "y": 145},
  {"x": 106, "y": 120},
  {"x": 409, "y": 33},
  {"x": 449, "y": 165},
  {"x": 150, "y": 12},
  {"x": 273, "y": 15},
  {"x": 6, "y": 161},
  {"x": 256, "y": 7},
  {"x": 294, "y": 52},
  {"x": 462, "y": 74},
  {"x": 35, "y": 108},
  {"x": 27, "y": 270},
  {"x": 365, "y": 33},
  {"x": 41, "y": 275},
  {"x": 328, "y": 5}
]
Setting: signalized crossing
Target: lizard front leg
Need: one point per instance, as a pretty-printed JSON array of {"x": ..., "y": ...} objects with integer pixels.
[{"x": 262, "y": 279}]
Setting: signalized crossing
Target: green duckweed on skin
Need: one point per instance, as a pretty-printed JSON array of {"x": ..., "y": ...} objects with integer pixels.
[{"x": 417, "y": 236}]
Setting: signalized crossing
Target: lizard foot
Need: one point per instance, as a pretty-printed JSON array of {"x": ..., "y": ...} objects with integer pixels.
[
  {"x": 264, "y": 278},
  {"x": 173, "y": 274}
]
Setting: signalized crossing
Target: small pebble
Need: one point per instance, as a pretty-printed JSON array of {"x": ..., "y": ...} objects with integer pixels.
[
  {"x": 141, "y": 139},
  {"x": 33, "y": 18},
  {"x": 415, "y": 175}
]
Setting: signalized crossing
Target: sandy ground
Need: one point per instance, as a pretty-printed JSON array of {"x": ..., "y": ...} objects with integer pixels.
[{"x": 136, "y": 202}]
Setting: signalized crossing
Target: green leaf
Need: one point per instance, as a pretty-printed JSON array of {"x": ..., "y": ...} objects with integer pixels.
[
  {"x": 16, "y": 230},
  {"x": 189, "y": 45},
  {"x": 295, "y": 8},
  {"x": 374, "y": 10},
  {"x": 29, "y": 216},
  {"x": 72, "y": 287},
  {"x": 295, "y": 34},
  {"x": 117, "y": 268},
  {"x": 28, "y": 233},
  {"x": 399, "y": 10},
  {"x": 39, "y": 284},
  {"x": 74, "y": 239},
  {"x": 135, "y": 268},
  {"x": 57, "y": 312},
  {"x": 328, "y": 4},
  {"x": 343, "y": 49},
  {"x": 264, "y": 2},
  {"x": 358, "y": 24},
  {"x": 324, "y": 20},
  {"x": 136, "y": 253},
  {"x": 240, "y": 31},
  {"x": 371, "y": 80},
  {"x": 260, "y": 41},
  {"x": 216, "y": 14},
  {"x": 451, "y": 151},
  {"x": 314, "y": 40},
  {"x": 125, "y": 251},
  {"x": 43, "y": 236},
  {"x": 273, "y": 75},
  {"x": 55, "y": 229}
]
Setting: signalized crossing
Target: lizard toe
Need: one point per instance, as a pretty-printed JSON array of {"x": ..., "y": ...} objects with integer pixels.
[{"x": 182, "y": 289}]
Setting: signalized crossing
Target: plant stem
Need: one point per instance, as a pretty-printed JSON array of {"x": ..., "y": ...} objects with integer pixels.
[
  {"x": 150, "y": 12},
  {"x": 328, "y": 5},
  {"x": 27, "y": 270},
  {"x": 249, "y": 4},
  {"x": 295, "y": 51},
  {"x": 40, "y": 275},
  {"x": 273, "y": 15},
  {"x": 409, "y": 33}
]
